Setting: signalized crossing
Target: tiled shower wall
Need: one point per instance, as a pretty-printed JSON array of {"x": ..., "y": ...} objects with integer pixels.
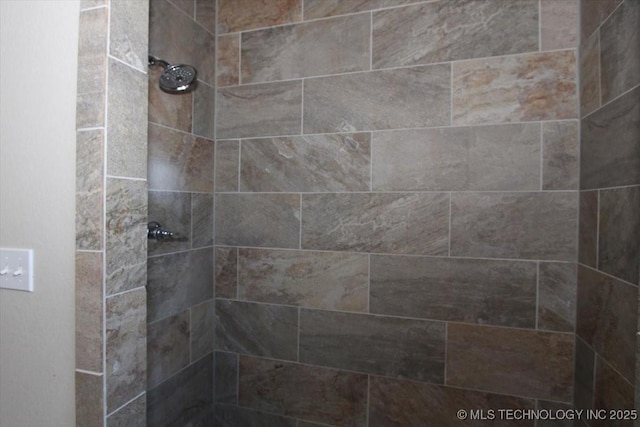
[
  {"x": 609, "y": 256},
  {"x": 396, "y": 210}
]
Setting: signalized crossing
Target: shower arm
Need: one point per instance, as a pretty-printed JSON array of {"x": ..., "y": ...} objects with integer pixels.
[{"x": 153, "y": 61}]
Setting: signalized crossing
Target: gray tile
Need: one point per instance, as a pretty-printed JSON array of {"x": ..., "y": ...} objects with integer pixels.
[
  {"x": 89, "y": 402},
  {"x": 206, "y": 14},
  {"x": 593, "y": 13},
  {"x": 185, "y": 5},
  {"x": 233, "y": 416},
  {"x": 403, "y": 98},
  {"x": 557, "y": 289},
  {"x": 129, "y": 32},
  {"x": 202, "y": 217},
  {"x": 561, "y": 155},
  {"x": 612, "y": 392},
  {"x": 173, "y": 211},
  {"x": 241, "y": 15},
  {"x": 167, "y": 109},
  {"x": 555, "y": 408},
  {"x": 204, "y": 106},
  {"x": 167, "y": 347},
  {"x": 201, "y": 330},
  {"x": 590, "y": 74},
  {"x": 499, "y": 157},
  {"x": 86, "y": 4},
  {"x": 228, "y": 65},
  {"x": 322, "y": 8},
  {"x": 226, "y": 377},
  {"x": 132, "y": 415},
  {"x": 227, "y": 165},
  {"x": 89, "y": 306},
  {"x": 584, "y": 374},
  {"x": 89, "y": 189},
  {"x": 92, "y": 68},
  {"x": 477, "y": 291},
  {"x": 588, "y": 229},
  {"x": 559, "y": 24},
  {"x": 226, "y": 272},
  {"x": 406, "y": 223}
]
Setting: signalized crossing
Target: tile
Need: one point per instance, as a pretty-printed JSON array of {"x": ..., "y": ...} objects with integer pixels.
[
  {"x": 323, "y": 8},
  {"x": 405, "y": 223},
  {"x": 201, "y": 322},
  {"x": 206, "y": 14},
  {"x": 257, "y": 329},
  {"x": 308, "y": 424},
  {"x": 515, "y": 225},
  {"x": 329, "y": 46},
  {"x": 241, "y": 15},
  {"x": 590, "y": 74},
  {"x": 173, "y": 211},
  {"x": 331, "y": 281},
  {"x": 584, "y": 375},
  {"x": 559, "y": 24},
  {"x": 310, "y": 163},
  {"x": 561, "y": 155},
  {"x": 126, "y": 344},
  {"x": 511, "y": 361},
  {"x": 446, "y": 31},
  {"x": 266, "y": 220},
  {"x": 89, "y": 401},
  {"x": 610, "y": 153},
  {"x": 226, "y": 278},
  {"x": 90, "y": 109},
  {"x": 187, "y": 6},
  {"x": 92, "y": 67},
  {"x": 612, "y": 392},
  {"x": 228, "y": 66},
  {"x": 204, "y": 105},
  {"x": 531, "y": 87},
  {"x": 475, "y": 291},
  {"x": 557, "y": 290},
  {"x": 132, "y": 415},
  {"x": 202, "y": 219},
  {"x": 496, "y": 157},
  {"x": 89, "y": 311},
  {"x": 294, "y": 390},
  {"x": 226, "y": 377},
  {"x": 129, "y": 32},
  {"x": 167, "y": 347},
  {"x": 391, "y": 346},
  {"x": 267, "y": 109},
  {"x": 232, "y": 416},
  {"x": 593, "y": 13},
  {"x": 86, "y": 4},
  {"x": 89, "y": 189},
  {"x": 402, "y": 98},
  {"x": 588, "y": 230},
  {"x": 397, "y": 403},
  {"x": 227, "y": 165},
  {"x": 555, "y": 410},
  {"x": 171, "y": 110}
]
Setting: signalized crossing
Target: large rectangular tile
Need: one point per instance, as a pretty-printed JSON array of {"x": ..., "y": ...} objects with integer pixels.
[
  {"x": 502, "y": 157},
  {"x": 559, "y": 24},
  {"x": 557, "y": 289},
  {"x": 201, "y": 220},
  {"x": 167, "y": 109},
  {"x": 323, "y": 8},
  {"x": 561, "y": 155},
  {"x": 89, "y": 306},
  {"x": 89, "y": 189},
  {"x": 226, "y": 377},
  {"x": 590, "y": 74},
  {"x": 129, "y": 32},
  {"x": 477, "y": 291},
  {"x": 228, "y": 65},
  {"x": 241, "y": 15},
  {"x": 201, "y": 321},
  {"x": 89, "y": 401},
  {"x": 227, "y": 165},
  {"x": 402, "y": 98},
  {"x": 593, "y": 13},
  {"x": 204, "y": 106},
  {"x": 588, "y": 229},
  {"x": 406, "y": 223},
  {"x": 612, "y": 392},
  {"x": 515, "y": 225},
  {"x": 134, "y": 414},
  {"x": 167, "y": 347},
  {"x": 234, "y": 416}
]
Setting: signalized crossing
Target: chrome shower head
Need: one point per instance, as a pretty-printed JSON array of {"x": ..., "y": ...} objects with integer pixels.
[{"x": 176, "y": 78}]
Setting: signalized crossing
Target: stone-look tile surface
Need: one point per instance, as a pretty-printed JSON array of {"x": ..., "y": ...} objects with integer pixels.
[
  {"x": 172, "y": 110},
  {"x": 316, "y": 48},
  {"x": 226, "y": 377},
  {"x": 263, "y": 220},
  {"x": 86, "y": 4},
  {"x": 241, "y": 15},
  {"x": 446, "y": 31},
  {"x": 89, "y": 189},
  {"x": 610, "y": 153},
  {"x": 403, "y": 98},
  {"x": 404, "y": 348},
  {"x": 590, "y": 74},
  {"x": 584, "y": 374},
  {"x": 132, "y": 415},
  {"x": 554, "y": 408},
  {"x": 204, "y": 105},
  {"x": 294, "y": 390},
  {"x": 129, "y": 32},
  {"x": 206, "y": 14},
  {"x": 559, "y": 24},
  {"x": 619, "y": 233},
  {"x": 89, "y": 399},
  {"x": 202, "y": 220},
  {"x": 167, "y": 348},
  {"x": 179, "y": 161},
  {"x": 588, "y": 229},
  {"x": 126, "y": 341},
  {"x": 396, "y": 403},
  {"x": 228, "y": 65},
  {"x": 179, "y": 281},
  {"x": 201, "y": 322},
  {"x": 233, "y": 416},
  {"x": 593, "y": 13},
  {"x": 126, "y": 234},
  {"x": 227, "y": 165},
  {"x": 497, "y": 157},
  {"x": 331, "y": 281},
  {"x": 514, "y": 225},
  {"x": 268, "y": 109},
  {"x": 511, "y": 361},
  {"x": 226, "y": 278},
  {"x": 606, "y": 318},
  {"x": 258, "y": 329},
  {"x": 126, "y": 122},
  {"x": 612, "y": 392},
  {"x": 406, "y": 223},
  {"x": 322, "y": 8},
  {"x": 313, "y": 163},
  {"x": 557, "y": 291},
  {"x": 89, "y": 311},
  {"x": 477, "y": 291},
  {"x": 620, "y": 56},
  {"x": 185, "y": 399},
  {"x": 561, "y": 155},
  {"x": 537, "y": 86},
  {"x": 185, "y": 5},
  {"x": 92, "y": 68},
  {"x": 173, "y": 211}
]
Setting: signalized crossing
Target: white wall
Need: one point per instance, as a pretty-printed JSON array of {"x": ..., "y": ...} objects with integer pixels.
[{"x": 38, "y": 69}]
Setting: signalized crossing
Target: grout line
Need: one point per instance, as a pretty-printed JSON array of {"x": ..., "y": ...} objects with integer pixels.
[
  {"x": 128, "y": 178},
  {"x": 126, "y": 404},
  {"x": 127, "y": 64},
  {"x": 624, "y": 282},
  {"x": 191, "y": 18},
  {"x": 539, "y": 25},
  {"x": 240, "y": 82},
  {"x": 160, "y": 125},
  {"x": 117, "y": 294},
  {"x": 611, "y": 101},
  {"x": 89, "y": 129},
  {"x": 401, "y": 192}
]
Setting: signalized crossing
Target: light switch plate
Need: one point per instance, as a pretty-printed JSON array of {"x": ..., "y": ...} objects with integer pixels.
[{"x": 16, "y": 269}]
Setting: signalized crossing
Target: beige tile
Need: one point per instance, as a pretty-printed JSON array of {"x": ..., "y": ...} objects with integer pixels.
[
  {"x": 201, "y": 322},
  {"x": 228, "y": 66},
  {"x": 226, "y": 272},
  {"x": 206, "y": 14},
  {"x": 590, "y": 75},
  {"x": 204, "y": 106},
  {"x": 559, "y": 24},
  {"x": 89, "y": 311},
  {"x": 561, "y": 155},
  {"x": 241, "y": 15},
  {"x": 89, "y": 399},
  {"x": 134, "y": 414},
  {"x": 593, "y": 13},
  {"x": 323, "y": 8},
  {"x": 129, "y": 32},
  {"x": 89, "y": 189},
  {"x": 92, "y": 68},
  {"x": 168, "y": 347}
]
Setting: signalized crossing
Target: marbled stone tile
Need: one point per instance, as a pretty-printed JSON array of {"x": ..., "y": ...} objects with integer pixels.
[
  {"x": 167, "y": 109},
  {"x": 186, "y": 399},
  {"x": 129, "y": 32},
  {"x": 315, "y": 48},
  {"x": 322, "y": 8},
  {"x": 90, "y": 109},
  {"x": 127, "y": 122},
  {"x": 233, "y": 416},
  {"x": 612, "y": 392},
  {"x": 179, "y": 281},
  {"x": 92, "y": 68},
  {"x": 515, "y": 225},
  {"x": 446, "y": 31},
  {"x": 561, "y": 155},
  {"x": 588, "y": 229},
  {"x": 204, "y": 105},
  {"x": 228, "y": 65},
  {"x": 557, "y": 410},
  {"x": 201, "y": 322},
  {"x": 610, "y": 153},
  {"x": 497, "y": 157},
  {"x": 397, "y": 403},
  {"x": 511, "y": 361},
  {"x": 89, "y": 311},
  {"x": 590, "y": 74},
  {"x": 206, "y": 14},
  {"x": 167, "y": 347},
  {"x": 89, "y": 401},
  {"x": 241, "y": 15},
  {"x": 126, "y": 343},
  {"x": 606, "y": 318},
  {"x": 295, "y": 390},
  {"x": 584, "y": 375},
  {"x": 226, "y": 377},
  {"x": 226, "y": 278},
  {"x": 619, "y": 233},
  {"x": 402, "y": 98},
  {"x": 391, "y": 346},
  {"x": 559, "y": 24},
  {"x": 593, "y": 13},
  {"x": 310, "y": 163},
  {"x": 132, "y": 415},
  {"x": 89, "y": 189},
  {"x": 331, "y": 281},
  {"x": 476, "y": 291},
  {"x": 619, "y": 53},
  {"x": 406, "y": 223},
  {"x": 86, "y": 4},
  {"x": 227, "y": 165},
  {"x": 531, "y": 87},
  {"x": 187, "y": 6},
  {"x": 263, "y": 220},
  {"x": 126, "y": 235},
  {"x": 557, "y": 289},
  {"x": 173, "y": 211},
  {"x": 258, "y": 329},
  {"x": 179, "y": 161},
  {"x": 202, "y": 220},
  {"x": 267, "y": 109}
]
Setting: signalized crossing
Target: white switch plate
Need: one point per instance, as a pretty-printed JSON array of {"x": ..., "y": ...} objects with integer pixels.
[{"x": 16, "y": 269}]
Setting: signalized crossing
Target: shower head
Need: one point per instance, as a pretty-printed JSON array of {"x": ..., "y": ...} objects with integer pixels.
[{"x": 176, "y": 78}]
